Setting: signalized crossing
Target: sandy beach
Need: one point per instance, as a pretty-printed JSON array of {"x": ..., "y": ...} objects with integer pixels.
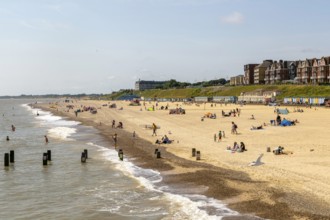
[{"x": 293, "y": 185}]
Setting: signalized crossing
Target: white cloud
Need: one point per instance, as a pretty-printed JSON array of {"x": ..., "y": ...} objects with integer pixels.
[{"x": 234, "y": 18}]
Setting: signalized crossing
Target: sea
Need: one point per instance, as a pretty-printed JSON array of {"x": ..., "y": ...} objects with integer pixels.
[{"x": 102, "y": 188}]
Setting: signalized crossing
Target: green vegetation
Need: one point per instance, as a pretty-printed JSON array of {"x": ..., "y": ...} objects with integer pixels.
[
  {"x": 173, "y": 84},
  {"x": 285, "y": 91}
]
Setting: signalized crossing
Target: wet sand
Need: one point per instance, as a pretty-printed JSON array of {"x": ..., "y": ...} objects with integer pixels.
[{"x": 291, "y": 186}]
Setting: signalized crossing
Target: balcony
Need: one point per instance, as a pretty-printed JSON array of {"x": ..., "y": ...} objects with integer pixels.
[
  {"x": 321, "y": 77},
  {"x": 305, "y": 77}
]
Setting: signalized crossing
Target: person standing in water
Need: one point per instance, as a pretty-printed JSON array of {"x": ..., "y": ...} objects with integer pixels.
[{"x": 46, "y": 139}]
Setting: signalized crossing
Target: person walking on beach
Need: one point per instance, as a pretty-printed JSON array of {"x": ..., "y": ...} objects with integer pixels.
[
  {"x": 13, "y": 128},
  {"x": 219, "y": 136},
  {"x": 233, "y": 128},
  {"x": 113, "y": 124},
  {"x": 115, "y": 138},
  {"x": 215, "y": 137},
  {"x": 154, "y": 128},
  {"x": 7, "y": 139}
]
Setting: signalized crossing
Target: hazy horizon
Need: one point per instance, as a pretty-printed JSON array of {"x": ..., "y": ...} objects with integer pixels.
[{"x": 81, "y": 46}]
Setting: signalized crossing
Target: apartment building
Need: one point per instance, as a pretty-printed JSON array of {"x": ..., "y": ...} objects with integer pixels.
[
  {"x": 259, "y": 71},
  {"x": 249, "y": 73}
]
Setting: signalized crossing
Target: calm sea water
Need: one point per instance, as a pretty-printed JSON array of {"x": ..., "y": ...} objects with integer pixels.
[{"x": 102, "y": 188}]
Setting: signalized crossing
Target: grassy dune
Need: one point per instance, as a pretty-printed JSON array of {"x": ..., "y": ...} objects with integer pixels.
[{"x": 286, "y": 91}]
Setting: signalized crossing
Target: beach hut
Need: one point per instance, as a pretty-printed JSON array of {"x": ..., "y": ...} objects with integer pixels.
[
  {"x": 229, "y": 99},
  {"x": 202, "y": 99}
]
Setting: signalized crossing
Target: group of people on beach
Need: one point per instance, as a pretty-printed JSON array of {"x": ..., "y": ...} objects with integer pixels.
[
  {"x": 164, "y": 140},
  {"x": 221, "y": 134},
  {"x": 120, "y": 124},
  {"x": 232, "y": 112},
  {"x": 237, "y": 148}
]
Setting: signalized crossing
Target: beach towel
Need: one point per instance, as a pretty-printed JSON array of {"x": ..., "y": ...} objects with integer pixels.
[{"x": 286, "y": 123}]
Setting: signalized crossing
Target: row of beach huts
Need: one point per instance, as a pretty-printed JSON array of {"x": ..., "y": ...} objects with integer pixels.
[{"x": 250, "y": 99}]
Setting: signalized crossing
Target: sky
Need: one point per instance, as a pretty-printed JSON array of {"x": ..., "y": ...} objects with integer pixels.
[{"x": 101, "y": 46}]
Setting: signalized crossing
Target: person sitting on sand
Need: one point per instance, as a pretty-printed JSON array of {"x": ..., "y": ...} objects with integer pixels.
[
  {"x": 242, "y": 147},
  {"x": 120, "y": 125},
  {"x": 278, "y": 150},
  {"x": 278, "y": 119},
  {"x": 166, "y": 140},
  {"x": 235, "y": 147},
  {"x": 252, "y": 117}
]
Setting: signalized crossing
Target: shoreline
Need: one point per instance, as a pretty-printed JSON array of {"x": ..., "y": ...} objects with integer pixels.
[{"x": 238, "y": 190}]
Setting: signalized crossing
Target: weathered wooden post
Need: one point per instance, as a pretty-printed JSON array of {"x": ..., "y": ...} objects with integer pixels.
[
  {"x": 49, "y": 155},
  {"x": 86, "y": 153},
  {"x": 6, "y": 160},
  {"x": 45, "y": 159},
  {"x": 193, "y": 152},
  {"x": 83, "y": 157},
  {"x": 12, "y": 156},
  {"x": 198, "y": 155}
]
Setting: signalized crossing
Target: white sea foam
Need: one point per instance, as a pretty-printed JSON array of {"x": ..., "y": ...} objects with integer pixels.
[
  {"x": 61, "y": 132},
  {"x": 46, "y": 117},
  {"x": 183, "y": 206}
]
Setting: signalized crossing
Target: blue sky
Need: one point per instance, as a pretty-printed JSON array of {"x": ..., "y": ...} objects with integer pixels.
[{"x": 100, "y": 46}]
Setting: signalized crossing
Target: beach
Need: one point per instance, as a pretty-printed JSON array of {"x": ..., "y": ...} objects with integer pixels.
[{"x": 293, "y": 185}]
